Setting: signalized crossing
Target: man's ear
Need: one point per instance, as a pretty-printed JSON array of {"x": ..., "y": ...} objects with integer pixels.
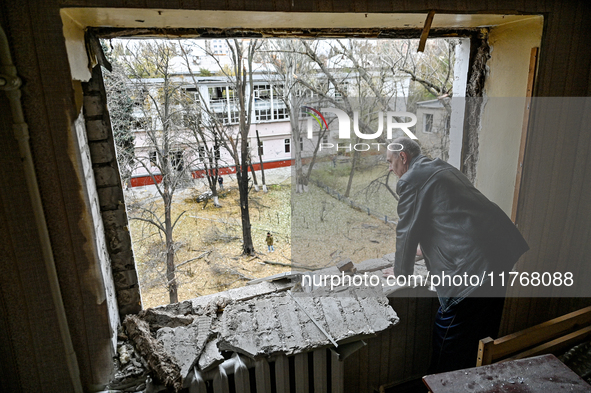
[{"x": 404, "y": 157}]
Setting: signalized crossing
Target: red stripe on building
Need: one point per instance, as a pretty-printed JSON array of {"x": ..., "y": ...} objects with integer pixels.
[{"x": 147, "y": 180}]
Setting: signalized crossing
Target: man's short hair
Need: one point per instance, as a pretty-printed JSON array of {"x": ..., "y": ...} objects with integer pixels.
[{"x": 409, "y": 146}]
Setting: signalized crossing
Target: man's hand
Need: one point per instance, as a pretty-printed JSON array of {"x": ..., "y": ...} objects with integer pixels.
[{"x": 388, "y": 272}]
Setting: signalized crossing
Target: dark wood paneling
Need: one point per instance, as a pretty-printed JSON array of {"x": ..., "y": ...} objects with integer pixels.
[
  {"x": 49, "y": 109},
  {"x": 397, "y": 341},
  {"x": 552, "y": 215},
  {"x": 460, "y": 6},
  {"x": 352, "y": 370},
  {"x": 18, "y": 354},
  {"x": 398, "y": 354},
  {"x": 27, "y": 293}
]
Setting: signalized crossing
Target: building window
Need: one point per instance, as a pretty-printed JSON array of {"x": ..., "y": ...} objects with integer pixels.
[
  {"x": 234, "y": 117},
  {"x": 428, "y": 123},
  {"x": 280, "y": 113},
  {"x": 287, "y": 145},
  {"x": 153, "y": 159},
  {"x": 177, "y": 161},
  {"x": 301, "y": 144},
  {"x": 217, "y": 94},
  {"x": 263, "y": 114},
  {"x": 262, "y": 92},
  {"x": 325, "y": 137},
  {"x": 202, "y": 153},
  {"x": 192, "y": 95},
  {"x": 142, "y": 123}
]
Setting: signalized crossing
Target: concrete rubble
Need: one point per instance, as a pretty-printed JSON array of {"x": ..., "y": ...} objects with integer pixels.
[
  {"x": 161, "y": 319},
  {"x": 268, "y": 317},
  {"x": 159, "y": 361},
  {"x": 185, "y": 343},
  {"x": 211, "y": 356},
  {"x": 277, "y": 323},
  {"x": 132, "y": 369}
]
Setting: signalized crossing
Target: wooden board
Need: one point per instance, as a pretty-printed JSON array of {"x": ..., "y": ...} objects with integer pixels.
[
  {"x": 533, "y": 62},
  {"x": 490, "y": 351}
]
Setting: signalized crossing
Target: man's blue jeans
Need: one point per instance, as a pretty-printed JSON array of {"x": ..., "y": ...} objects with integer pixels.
[{"x": 458, "y": 330}]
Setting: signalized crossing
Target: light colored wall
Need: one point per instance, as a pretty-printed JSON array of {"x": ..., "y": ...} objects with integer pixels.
[
  {"x": 431, "y": 142},
  {"x": 272, "y": 134},
  {"x": 502, "y": 116}
]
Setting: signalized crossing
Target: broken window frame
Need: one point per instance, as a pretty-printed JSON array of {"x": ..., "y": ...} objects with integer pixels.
[{"x": 475, "y": 35}]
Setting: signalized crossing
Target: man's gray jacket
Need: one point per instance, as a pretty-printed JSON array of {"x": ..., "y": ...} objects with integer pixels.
[{"x": 459, "y": 229}]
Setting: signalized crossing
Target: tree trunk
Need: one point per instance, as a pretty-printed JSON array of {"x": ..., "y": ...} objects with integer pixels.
[
  {"x": 170, "y": 273},
  {"x": 247, "y": 244},
  {"x": 297, "y": 154}
]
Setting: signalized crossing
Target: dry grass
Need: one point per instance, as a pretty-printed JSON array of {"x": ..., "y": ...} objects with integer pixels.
[
  {"x": 364, "y": 190},
  {"x": 326, "y": 231},
  {"x": 212, "y": 239},
  {"x": 208, "y": 242}
]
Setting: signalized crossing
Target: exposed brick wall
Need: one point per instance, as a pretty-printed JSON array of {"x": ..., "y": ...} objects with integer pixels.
[
  {"x": 101, "y": 148},
  {"x": 102, "y": 256}
]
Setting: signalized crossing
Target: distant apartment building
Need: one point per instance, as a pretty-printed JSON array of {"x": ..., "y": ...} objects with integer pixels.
[
  {"x": 214, "y": 96},
  {"x": 432, "y": 128}
]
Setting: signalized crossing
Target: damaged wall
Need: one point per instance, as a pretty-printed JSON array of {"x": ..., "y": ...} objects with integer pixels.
[
  {"x": 479, "y": 55},
  {"x": 504, "y": 105},
  {"x": 109, "y": 193}
]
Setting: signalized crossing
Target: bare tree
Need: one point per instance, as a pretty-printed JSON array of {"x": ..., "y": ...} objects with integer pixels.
[
  {"x": 159, "y": 117},
  {"x": 240, "y": 79},
  {"x": 432, "y": 75},
  {"x": 353, "y": 80},
  {"x": 287, "y": 60},
  {"x": 206, "y": 129},
  {"x": 121, "y": 113},
  {"x": 240, "y": 87}
]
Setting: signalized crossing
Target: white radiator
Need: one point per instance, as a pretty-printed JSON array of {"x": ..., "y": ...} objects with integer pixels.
[{"x": 319, "y": 371}]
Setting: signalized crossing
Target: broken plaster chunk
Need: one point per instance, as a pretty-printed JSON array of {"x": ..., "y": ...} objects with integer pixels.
[
  {"x": 239, "y": 331},
  {"x": 372, "y": 265},
  {"x": 211, "y": 356},
  {"x": 249, "y": 327},
  {"x": 181, "y": 308},
  {"x": 345, "y": 265},
  {"x": 216, "y": 304},
  {"x": 124, "y": 355},
  {"x": 185, "y": 343},
  {"x": 160, "y": 318},
  {"x": 390, "y": 257},
  {"x": 378, "y": 310},
  {"x": 158, "y": 360}
]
